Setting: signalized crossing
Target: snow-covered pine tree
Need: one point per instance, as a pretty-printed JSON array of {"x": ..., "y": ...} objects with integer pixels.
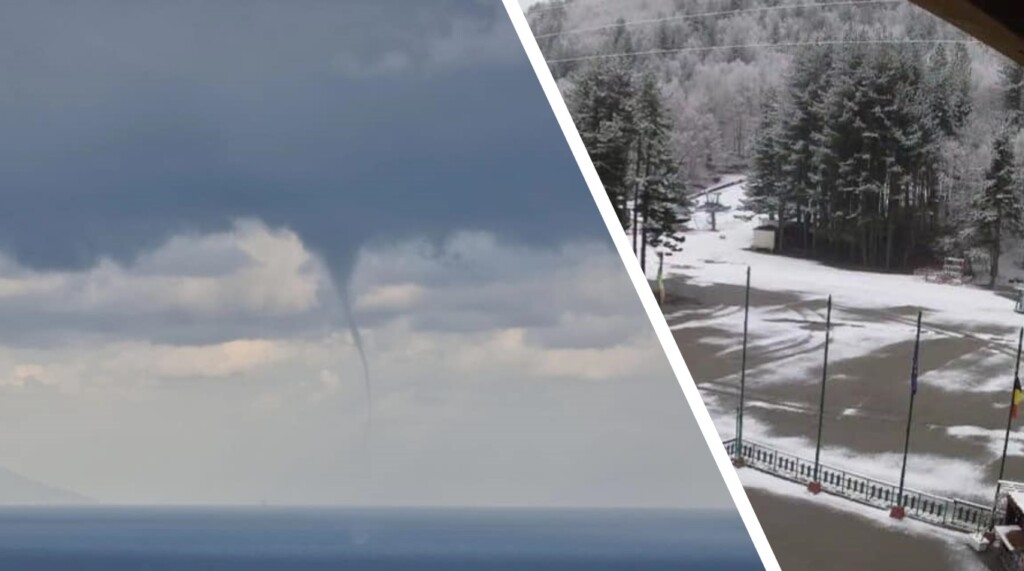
[
  {"x": 765, "y": 186},
  {"x": 662, "y": 205},
  {"x": 996, "y": 210},
  {"x": 959, "y": 84},
  {"x": 948, "y": 83},
  {"x": 1011, "y": 79},
  {"x": 808, "y": 81},
  {"x": 881, "y": 189},
  {"x": 601, "y": 106},
  {"x": 844, "y": 175}
]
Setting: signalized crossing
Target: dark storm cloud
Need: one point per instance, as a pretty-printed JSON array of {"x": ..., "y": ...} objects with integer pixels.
[
  {"x": 141, "y": 130},
  {"x": 125, "y": 122}
]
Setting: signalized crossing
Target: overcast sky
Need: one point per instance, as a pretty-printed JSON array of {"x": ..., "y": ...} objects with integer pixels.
[{"x": 189, "y": 187}]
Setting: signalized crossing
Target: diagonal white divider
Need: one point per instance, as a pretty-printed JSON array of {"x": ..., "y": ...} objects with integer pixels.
[{"x": 643, "y": 289}]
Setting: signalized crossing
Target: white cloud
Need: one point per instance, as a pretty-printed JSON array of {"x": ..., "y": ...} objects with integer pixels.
[
  {"x": 274, "y": 275},
  {"x": 511, "y": 352},
  {"x": 232, "y": 279},
  {"x": 465, "y": 42},
  {"x": 394, "y": 297},
  {"x": 20, "y": 287},
  {"x": 482, "y": 374},
  {"x": 475, "y": 42},
  {"x": 473, "y": 282},
  {"x": 470, "y": 306},
  {"x": 220, "y": 360},
  {"x": 128, "y": 365},
  {"x": 388, "y": 63},
  {"x": 27, "y": 373}
]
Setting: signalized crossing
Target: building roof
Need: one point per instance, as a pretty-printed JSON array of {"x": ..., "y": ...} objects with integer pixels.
[
  {"x": 1011, "y": 536},
  {"x": 1017, "y": 498},
  {"x": 997, "y": 23}
]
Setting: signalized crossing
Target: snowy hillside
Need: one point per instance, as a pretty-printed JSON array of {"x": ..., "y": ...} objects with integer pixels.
[
  {"x": 872, "y": 315},
  {"x": 734, "y": 227},
  {"x": 721, "y": 257}
]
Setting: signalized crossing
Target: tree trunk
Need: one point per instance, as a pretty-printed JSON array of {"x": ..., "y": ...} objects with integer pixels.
[
  {"x": 997, "y": 246},
  {"x": 643, "y": 242},
  {"x": 778, "y": 230},
  {"x": 911, "y": 244},
  {"x": 636, "y": 194},
  {"x": 799, "y": 221},
  {"x": 635, "y": 213},
  {"x": 889, "y": 239},
  {"x": 865, "y": 241}
]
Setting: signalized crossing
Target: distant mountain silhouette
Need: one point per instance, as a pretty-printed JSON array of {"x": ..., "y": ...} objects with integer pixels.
[{"x": 16, "y": 489}]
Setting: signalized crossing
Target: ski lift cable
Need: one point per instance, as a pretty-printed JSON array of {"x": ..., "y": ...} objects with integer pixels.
[
  {"x": 559, "y": 5},
  {"x": 721, "y": 13},
  {"x": 542, "y": 9},
  {"x": 760, "y": 46}
]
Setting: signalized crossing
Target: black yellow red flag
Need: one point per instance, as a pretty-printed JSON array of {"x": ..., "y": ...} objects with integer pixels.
[{"x": 1018, "y": 396}]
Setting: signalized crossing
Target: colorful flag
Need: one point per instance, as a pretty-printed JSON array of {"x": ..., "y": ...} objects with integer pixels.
[{"x": 1018, "y": 396}]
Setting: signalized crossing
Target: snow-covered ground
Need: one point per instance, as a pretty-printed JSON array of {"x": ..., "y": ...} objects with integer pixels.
[
  {"x": 721, "y": 257},
  {"x": 955, "y": 543},
  {"x": 873, "y": 313}
]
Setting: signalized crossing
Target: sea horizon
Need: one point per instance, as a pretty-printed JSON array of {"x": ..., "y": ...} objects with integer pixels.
[
  {"x": 322, "y": 537},
  {"x": 92, "y": 504}
]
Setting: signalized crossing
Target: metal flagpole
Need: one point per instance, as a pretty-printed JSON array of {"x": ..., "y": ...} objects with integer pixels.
[
  {"x": 815, "y": 485},
  {"x": 738, "y": 459},
  {"x": 1013, "y": 404},
  {"x": 898, "y": 511},
  {"x": 1009, "y": 425}
]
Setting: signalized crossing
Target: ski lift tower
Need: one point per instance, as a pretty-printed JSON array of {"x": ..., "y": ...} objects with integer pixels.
[{"x": 712, "y": 206}]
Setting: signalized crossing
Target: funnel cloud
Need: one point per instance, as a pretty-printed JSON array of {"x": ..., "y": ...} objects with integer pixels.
[{"x": 222, "y": 221}]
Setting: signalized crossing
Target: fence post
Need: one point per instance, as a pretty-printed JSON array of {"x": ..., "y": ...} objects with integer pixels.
[{"x": 949, "y": 513}]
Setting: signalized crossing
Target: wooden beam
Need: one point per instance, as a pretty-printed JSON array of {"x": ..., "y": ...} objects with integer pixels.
[{"x": 996, "y": 25}]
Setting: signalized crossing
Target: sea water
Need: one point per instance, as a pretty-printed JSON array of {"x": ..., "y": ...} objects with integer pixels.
[{"x": 298, "y": 539}]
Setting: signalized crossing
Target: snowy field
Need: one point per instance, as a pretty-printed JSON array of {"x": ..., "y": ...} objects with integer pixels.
[
  {"x": 722, "y": 257},
  {"x": 832, "y": 533},
  {"x": 968, "y": 346}
]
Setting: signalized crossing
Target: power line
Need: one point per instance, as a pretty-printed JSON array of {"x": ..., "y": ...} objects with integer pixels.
[
  {"x": 558, "y": 6},
  {"x": 723, "y": 13},
  {"x": 755, "y": 46}
]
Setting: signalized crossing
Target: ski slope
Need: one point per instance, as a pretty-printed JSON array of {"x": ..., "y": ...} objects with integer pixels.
[
  {"x": 722, "y": 256},
  {"x": 872, "y": 315}
]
